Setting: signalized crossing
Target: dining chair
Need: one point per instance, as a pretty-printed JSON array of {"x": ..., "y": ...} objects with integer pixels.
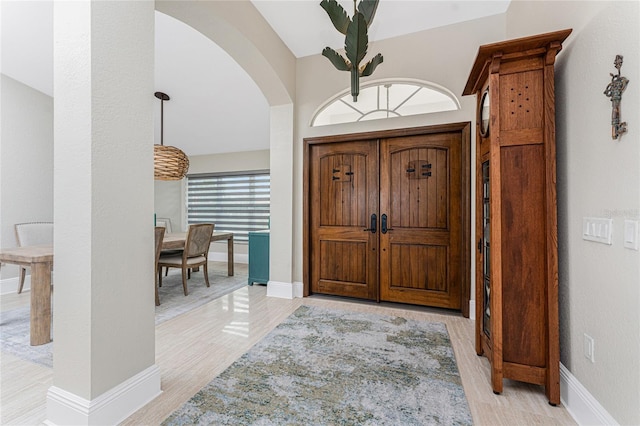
[
  {"x": 196, "y": 253},
  {"x": 158, "y": 271},
  {"x": 165, "y": 222},
  {"x": 32, "y": 234}
]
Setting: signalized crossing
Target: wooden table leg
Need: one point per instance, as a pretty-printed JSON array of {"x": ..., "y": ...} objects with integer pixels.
[
  {"x": 230, "y": 256},
  {"x": 40, "y": 303}
]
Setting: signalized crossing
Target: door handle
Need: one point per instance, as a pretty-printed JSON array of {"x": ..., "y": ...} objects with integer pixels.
[
  {"x": 383, "y": 225},
  {"x": 374, "y": 224}
]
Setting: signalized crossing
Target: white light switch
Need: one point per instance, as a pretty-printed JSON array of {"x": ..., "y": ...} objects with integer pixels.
[
  {"x": 589, "y": 348},
  {"x": 631, "y": 234},
  {"x": 597, "y": 229}
]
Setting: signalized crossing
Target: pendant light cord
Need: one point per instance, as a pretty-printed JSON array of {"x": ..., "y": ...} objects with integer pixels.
[
  {"x": 163, "y": 97},
  {"x": 161, "y": 122}
]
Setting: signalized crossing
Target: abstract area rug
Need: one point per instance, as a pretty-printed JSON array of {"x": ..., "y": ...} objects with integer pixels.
[
  {"x": 330, "y": 367},
  {"x": 14, "y": 324}
]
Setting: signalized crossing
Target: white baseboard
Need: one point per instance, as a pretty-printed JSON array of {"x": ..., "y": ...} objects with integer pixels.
[
  {"x": 472, "y": 310},
  {"x": 582, "y": 406},
  {"x": 298, "y": 289},
  {"x": 280, "y": 289},
  {"x": 110, "y": 408}
]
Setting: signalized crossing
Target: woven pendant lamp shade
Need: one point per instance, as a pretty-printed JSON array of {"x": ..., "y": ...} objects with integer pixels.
[{"x": 169, "y": 162}]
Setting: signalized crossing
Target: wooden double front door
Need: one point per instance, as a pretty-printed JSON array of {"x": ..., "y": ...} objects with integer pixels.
[{"x": 388, "y": 218}]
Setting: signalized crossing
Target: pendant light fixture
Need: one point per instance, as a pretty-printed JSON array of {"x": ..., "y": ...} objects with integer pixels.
[
  {"x": 356, "y": 40},
  {"x": 169, "y": 162}
]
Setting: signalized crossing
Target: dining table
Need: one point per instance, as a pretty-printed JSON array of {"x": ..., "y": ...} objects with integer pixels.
[{"x": 40, "y": 260}]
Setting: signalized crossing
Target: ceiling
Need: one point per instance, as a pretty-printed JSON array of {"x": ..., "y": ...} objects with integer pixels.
[
  {"x": 215, "y": 107},
  {"x": 306, "y": 28}
]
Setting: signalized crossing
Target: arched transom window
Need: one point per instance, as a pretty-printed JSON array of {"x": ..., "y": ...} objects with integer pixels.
[{"x": 385, "y": 99}]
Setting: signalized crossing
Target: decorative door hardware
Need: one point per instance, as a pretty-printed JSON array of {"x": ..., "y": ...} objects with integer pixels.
[
  {"x": 374, "y": 224},
  {"x": 614, "y": 91},
  {"x": 423, "y": 168},
  {"x": 383, "y": 226},
  {"x": 342, "y": 174}
]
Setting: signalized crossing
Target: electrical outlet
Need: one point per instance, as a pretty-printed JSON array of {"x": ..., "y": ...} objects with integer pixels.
[{"x": 589, "y": 348}]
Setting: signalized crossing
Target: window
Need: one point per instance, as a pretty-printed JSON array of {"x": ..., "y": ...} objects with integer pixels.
[
  {"x": 385, "y": 99},
  {"x": 237, "y": 203}
]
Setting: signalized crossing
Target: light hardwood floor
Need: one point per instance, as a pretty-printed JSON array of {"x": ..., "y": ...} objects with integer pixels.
[{"x": 194, "y": 348}]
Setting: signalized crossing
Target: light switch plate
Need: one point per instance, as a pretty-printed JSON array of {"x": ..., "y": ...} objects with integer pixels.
[
  {"x": 631, "y": 234},
  {"x": 589, "y": 348},
  {"x": 597, "y": 229}
]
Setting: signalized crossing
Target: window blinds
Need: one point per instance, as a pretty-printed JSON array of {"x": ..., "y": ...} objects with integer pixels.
[{"x": 237, "y": 203}]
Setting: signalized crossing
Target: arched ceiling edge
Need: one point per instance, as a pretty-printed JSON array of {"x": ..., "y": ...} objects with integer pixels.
[{"x": 239, "y": 29}]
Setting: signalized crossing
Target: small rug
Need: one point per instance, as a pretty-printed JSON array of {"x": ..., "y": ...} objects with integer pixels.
[
  {"x": 330, "y": 367},
  {"x": 14, "y": 324},
  {"x": 14, "y": 338}
]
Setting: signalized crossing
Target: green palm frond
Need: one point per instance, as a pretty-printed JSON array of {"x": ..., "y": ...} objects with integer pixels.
[
  {"x": 368, "y": 9},
  {"x": 370, "y": 67},
  {"x": 338, "y": 16},
  {"x": 336, "y": 59},
  {"x": 356, "y": 41}
]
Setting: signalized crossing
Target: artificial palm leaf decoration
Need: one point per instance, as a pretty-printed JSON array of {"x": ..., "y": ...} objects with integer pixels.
[{"x": 356, "y": 40}]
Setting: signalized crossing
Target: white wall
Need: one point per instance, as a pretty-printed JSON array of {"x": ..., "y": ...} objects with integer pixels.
[
  {"x": 281, "y": 204},
  {"x": 597, "y": 176},
  {"x": 169, "y": 202},
  {"x": 26, "y": 161},
  {"x": 229, "y": 162}
]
